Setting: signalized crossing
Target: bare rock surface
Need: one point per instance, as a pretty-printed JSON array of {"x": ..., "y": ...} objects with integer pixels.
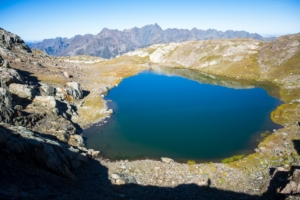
[
  {"x": 74, "y": 90},
  {"x": 18, "y": 141},
  {"x": 48, "y": 102},
  {"x": 9, "y": 76},
  {"x": 48, "y": 90},
  {"x": 23, "y": 91},
  {"x": 12, "y": 42}
]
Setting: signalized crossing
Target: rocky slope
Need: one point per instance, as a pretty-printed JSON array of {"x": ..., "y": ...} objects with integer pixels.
[
  {"x": 110, "y": 43},
  {"x": 36, "y": 126},
  {"x": 46, "y": 101}
]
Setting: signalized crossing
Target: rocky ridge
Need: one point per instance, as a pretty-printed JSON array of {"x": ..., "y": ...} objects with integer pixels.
[
  {"x": 111, "y": 43},
  {"x": 37, "y": 116}
]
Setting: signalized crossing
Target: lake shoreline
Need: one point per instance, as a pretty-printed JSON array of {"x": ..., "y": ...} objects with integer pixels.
[{"x": 153, "y": 75}]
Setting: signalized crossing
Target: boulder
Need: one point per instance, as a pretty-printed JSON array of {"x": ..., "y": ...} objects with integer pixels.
[
  {"x": 19, "y": 60},
  {"x": 74, "y": 89},
  {"x": 93, "y": 153},
  {"x": 61, "y": 93},
  {"x": 48, "y": 90},
  {"x": 166, "y": 160},
  {"x": 55, "y": 111},
  {"x": 8, "y": 76},
  {"x": 76, "y": 140},
  {"x": 121, "y": 179},
  {"x": 66, "y": 74},
  {"x": 46, "y": 101},
  {"x": 18, "y": 107},
  {"x": 23, "y": 91}
]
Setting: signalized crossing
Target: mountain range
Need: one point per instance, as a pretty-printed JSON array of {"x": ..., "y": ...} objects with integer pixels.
[{"x": 111, "y": 42}]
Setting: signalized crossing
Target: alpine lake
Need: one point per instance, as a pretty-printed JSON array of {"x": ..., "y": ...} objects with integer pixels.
[{"x": 184, "y": 115}]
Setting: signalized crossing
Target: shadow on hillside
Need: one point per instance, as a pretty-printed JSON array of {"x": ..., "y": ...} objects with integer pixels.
[
  {"x": 297, "y": 145},
  {"x": 28, "y": 76},
  {"x": 85, "y": 93},
  {"x": 23, "y": 175}
]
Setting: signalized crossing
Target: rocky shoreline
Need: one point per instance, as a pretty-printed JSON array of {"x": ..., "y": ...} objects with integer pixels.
[{"x": 45, "y": 101}]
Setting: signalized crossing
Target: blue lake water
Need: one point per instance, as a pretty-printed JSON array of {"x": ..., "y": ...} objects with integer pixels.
[{"x": 168, "y": 115}]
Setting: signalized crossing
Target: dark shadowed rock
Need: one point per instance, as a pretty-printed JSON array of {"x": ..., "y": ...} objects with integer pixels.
[
  {"x": 27, "y": 121},
  {"x": 6, "y": 110},
  {"x": 17, "y": 141},
  {"x": 1, "y": 60}
]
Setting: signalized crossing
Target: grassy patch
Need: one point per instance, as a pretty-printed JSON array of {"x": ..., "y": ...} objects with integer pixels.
[
  {"x": 191, "y": 162},
  {"x": 52, "y": 79},
  {"x": 286, "y": 113},
  {"x": 233, "y": 158},
  {"x": 90, "y": 109}
]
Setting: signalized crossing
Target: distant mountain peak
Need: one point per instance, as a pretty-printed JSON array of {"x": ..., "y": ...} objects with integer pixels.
[{"x": 109, "y": 43}]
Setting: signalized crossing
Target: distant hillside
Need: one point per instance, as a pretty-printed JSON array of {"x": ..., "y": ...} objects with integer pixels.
[{"x": 110, "y": 43}]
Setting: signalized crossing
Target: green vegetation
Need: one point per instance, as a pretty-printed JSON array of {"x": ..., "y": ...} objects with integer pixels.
[
  {"x": 233, "y": 158},
  {"x": 191, "y": 162},
  {"x": 286, "y": 113}
]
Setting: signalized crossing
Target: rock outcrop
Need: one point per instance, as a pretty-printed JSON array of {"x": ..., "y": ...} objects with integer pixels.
[
  {"x": 74, "y": 89},
  {"x": 47, "y": 90},
  {"x": 48, "y": 102},
  {"x": 23, "y": 91},
  {"x": 12, "y": 42},
  {"x": 19, "y": 143},
  {"x": 8, "y": 76}
]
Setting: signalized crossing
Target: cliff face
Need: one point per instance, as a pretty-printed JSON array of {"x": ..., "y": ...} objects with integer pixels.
[{"x": 110, "y": 43}]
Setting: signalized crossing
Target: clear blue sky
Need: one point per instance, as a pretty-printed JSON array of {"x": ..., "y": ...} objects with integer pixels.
[{"x": 40, "y": 19}]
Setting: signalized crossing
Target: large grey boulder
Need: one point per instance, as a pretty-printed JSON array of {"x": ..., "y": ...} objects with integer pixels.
[
  {"x": 48, "y": 90},
  {"x": 8, "y": 76},
  {"x": 6, "y": 110},
  {"x": 23, "y": 91},
  {"x": 167, "y": 160},
  {"x": 74, "y": 89},
  {"x": 46, "y": 101}
]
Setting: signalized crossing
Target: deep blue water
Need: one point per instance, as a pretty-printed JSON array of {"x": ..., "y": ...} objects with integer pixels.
[{"x": 170, "y": 116}]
